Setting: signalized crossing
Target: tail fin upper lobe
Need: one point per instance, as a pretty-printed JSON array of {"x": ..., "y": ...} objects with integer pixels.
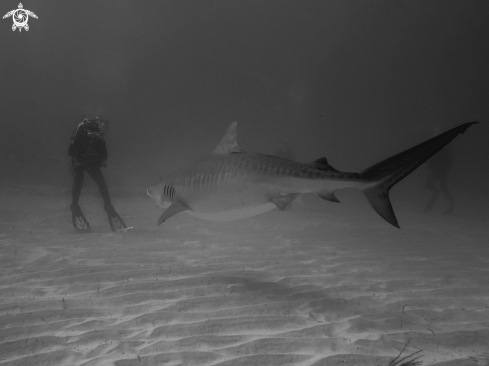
[{"x": 390, "y": 171}]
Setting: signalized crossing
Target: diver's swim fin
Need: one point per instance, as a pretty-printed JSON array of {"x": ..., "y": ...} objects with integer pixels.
[
  {"x": 79, "y": 220},
  {"x": 115, "y": 221}
]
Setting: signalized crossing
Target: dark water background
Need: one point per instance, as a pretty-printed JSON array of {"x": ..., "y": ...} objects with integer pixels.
[{"x": 355, "y": 81}]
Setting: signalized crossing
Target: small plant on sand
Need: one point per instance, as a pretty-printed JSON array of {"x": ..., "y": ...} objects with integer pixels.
[{"x": 405, "y": 360}]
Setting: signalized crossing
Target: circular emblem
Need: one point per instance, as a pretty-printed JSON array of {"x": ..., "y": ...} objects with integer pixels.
[{"x": 20, "y": 17}]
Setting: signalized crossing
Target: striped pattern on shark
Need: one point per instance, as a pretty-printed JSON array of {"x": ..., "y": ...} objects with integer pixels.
[{"x": 231, "y": 184}]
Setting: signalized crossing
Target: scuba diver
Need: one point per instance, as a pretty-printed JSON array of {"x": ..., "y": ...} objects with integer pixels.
[
  {"x": 88, "y": 152},
  {"x": 285, "y": 151},
  {"x": 437, "y": 183}
]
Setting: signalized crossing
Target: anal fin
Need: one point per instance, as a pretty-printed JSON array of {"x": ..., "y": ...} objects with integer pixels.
[{"x": 283, "y": 201}]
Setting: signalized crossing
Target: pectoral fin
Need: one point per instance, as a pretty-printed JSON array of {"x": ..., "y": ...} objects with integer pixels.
[
  {"x": 174, "y": 208},
  {"x": 284, "y": 201}
]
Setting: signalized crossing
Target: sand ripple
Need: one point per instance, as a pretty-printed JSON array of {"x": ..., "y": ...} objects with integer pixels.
[{"x": 287, "y": 288}]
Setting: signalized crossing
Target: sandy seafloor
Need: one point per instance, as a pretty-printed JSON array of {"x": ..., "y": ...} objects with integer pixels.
[{"x": 301, "y": 287}]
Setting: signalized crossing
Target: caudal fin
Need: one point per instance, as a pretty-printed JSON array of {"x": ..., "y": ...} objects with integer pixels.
[{"x": 390, "y": 171}]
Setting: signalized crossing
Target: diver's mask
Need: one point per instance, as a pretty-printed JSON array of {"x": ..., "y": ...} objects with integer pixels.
[{"x": 101, "y": 123}]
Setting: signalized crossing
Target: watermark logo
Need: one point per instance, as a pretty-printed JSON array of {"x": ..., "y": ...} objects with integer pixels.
[{"x": 20, "y": 17}]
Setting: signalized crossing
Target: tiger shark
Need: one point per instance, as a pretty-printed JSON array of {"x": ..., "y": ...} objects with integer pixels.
[{"x": 231, "y": 184}]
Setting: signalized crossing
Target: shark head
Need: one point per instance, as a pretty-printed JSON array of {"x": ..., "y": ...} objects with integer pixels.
[
  {"x": 165, "y": 194},
  {"x": 162, "y": 193}
]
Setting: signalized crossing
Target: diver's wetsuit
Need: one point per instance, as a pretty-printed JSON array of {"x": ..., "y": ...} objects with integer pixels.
[
  {"x": 285, "y": 151},
  {"x": 88, "y": 152}
]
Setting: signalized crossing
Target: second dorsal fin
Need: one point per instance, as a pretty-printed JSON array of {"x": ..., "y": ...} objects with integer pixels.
[{"x": 322, "y": 164}]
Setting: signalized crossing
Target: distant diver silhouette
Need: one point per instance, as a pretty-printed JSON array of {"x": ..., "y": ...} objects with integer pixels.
[
  {"x": 88, "y": 152},
  {"x": 285, "y": 151},
  {"x": 437, "y": 182}
]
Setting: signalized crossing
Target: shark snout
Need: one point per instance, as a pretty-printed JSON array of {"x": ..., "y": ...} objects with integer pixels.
[
  {"x": 156, "y": 193},
  {"x": 153, "y": 193}
]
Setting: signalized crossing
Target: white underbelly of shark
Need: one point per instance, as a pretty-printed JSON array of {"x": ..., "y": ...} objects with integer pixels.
[
  {"x": 244, "y": 195},
  {"x": 233, "y": 214}
]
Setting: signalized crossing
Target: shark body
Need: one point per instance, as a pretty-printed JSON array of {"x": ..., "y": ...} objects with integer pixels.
[{"x": 231, "y": 184}]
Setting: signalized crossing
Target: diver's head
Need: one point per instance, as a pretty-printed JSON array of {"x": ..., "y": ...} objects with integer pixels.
[
  {"x": 92, "y": 128},
  {"x": 101, "y": 123}
]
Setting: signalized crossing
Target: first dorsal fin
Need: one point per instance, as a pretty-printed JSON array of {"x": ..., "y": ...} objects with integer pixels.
[{"x": 229, "y": 143}]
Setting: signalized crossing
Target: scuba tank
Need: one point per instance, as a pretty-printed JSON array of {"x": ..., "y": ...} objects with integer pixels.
[{"x": 88, "y": 146}]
